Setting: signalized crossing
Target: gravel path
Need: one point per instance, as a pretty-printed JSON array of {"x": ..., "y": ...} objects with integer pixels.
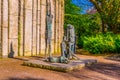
[{"x": 12, "y": 69}]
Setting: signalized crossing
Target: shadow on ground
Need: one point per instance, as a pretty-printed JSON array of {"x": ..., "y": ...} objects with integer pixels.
[
  {"x": 100, "y": 71},
  {"x": 110, "y": 70},
  {"x": 28, "y": 58},
  {"x": 27, "y": 78},
  {"x": 107, "y": 69}
]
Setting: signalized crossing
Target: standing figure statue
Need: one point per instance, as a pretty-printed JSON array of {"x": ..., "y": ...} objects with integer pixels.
[
  {"x": 48, "y": 33},
  {"x": 68, "y": 45},
  {"x": 71, "y": 38},
  {"x": 64, "y": 47}
]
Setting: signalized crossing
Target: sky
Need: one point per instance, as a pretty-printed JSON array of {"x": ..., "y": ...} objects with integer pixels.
[{"x": 84, "y": 4}]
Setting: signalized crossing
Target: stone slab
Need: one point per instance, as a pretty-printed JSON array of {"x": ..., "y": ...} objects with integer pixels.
[
  {"x": 115, "y": 58},
  {"x": 72, "y": 65}
]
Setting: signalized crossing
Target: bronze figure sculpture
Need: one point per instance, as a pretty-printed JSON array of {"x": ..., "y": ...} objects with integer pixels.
[
  {"x": 67, "y": 45},
  {"x": 48, "y": 30}
]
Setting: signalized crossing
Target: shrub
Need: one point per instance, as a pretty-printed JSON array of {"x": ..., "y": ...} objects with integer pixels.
[
  {"x": 117, "y": 43},
  {"x": 102, "y": 43}
]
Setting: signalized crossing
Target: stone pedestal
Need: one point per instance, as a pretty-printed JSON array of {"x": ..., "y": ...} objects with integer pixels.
[{"x": 72, "y": 65}]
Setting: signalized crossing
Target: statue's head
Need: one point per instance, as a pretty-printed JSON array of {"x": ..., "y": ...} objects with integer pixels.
[{"x": 69, "y": 26}]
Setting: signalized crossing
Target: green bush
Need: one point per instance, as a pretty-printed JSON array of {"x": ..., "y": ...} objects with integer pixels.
[
  {"x": 117, "y": 43},
  {"x": 102, "y": 43}
]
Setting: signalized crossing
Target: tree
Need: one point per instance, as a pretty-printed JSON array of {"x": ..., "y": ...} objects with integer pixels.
[
  {"x": 109, "y": 11},
  {"x": 71, "y": 8}
]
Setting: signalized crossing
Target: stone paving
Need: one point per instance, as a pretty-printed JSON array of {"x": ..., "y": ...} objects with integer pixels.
[{"x": 12, "y": 69}]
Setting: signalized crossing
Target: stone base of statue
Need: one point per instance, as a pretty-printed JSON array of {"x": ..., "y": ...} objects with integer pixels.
[{"x": 72, "y": 65}]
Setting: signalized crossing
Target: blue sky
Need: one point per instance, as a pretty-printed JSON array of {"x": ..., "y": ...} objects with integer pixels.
[{"x": 84, "y": 4}]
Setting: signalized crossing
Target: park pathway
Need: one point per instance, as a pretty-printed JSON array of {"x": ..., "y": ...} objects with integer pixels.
[{"x": 12, "y": 69}]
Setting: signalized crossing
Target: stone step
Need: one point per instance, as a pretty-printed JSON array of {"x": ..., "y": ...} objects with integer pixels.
[{"x": 72, "y": 65}]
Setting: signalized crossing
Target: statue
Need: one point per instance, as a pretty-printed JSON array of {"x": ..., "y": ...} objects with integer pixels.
[
  {"x": 64, "y": 47},
  {"x": 71, "y": 37},
  {"x": 48, "y": 30},
  {"x": 68, "y": 45}
]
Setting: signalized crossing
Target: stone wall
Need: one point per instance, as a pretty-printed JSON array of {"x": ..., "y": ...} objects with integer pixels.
[{"x": 23, "y": 23}]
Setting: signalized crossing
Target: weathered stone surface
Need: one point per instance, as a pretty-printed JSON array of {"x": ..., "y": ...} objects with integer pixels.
[
  {"x": 13, "y": 34},
  {"x": 24, "y": 24},
  {"x": 43, "y": 25},
  {"x": 5, "y": 42},
  {"x": 0, "y": 15},
  {"x": 60, "y": 22},
  {"x": 28, "y": 4},
  {"x": 13, "y": 46},
  {"x": 13, "y": 6},
  {"x": 34, "y": 27},
  {"x": 38, "y": 31},
  {"x": 34, "y": 41},
  {"x": 5, "y": 13},
  {"x": 57, "y": 26},
  {"x": 114, "y": 57},
  {"x": 13, "y": 26},
  {"x": 4, "y": 24},
  {"x": 0, "y": 33},
  {"x": 20, "y": 36},
  {"x": 53, "y": 25},
  {"x": 39, "y": 4},
  {"x": 43, "y": 2},
  {"x": 28, "y": 32},
  {"x": 73, "y": 65}
]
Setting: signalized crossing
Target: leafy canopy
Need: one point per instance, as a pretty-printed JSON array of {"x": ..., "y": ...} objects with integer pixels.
[{"x": 71, "y": 8}]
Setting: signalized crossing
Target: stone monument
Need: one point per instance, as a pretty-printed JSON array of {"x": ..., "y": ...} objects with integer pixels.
[
  {"x": 68, "y": 60},
  {"x": 68, "y": 45},
  {"x": 48, "y": 30}
]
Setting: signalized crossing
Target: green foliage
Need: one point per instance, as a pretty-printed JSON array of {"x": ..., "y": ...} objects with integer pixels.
[
  {"x": 117, "y": 43},
  {"x": 84, "y": 25},
  {"x": 109, "y": 11},
  {"x": 71, "y": 8},
  {"x": 102, "y": 43},
  {"x": 88, "y": 26}
]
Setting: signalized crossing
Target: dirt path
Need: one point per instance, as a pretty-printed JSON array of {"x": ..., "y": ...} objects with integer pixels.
[{"x": 12, "y": 69}]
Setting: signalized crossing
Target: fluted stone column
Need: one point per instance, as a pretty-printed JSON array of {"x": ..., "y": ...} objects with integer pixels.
[
  {"x": 60, "y": 23},
  {"x": 62, "y": 15},
  {"x": 20, "y": 28},
  {"x": 34, "y": 26},
  {"x": 23, "y": 24},
  {"x": 4, "y": 24},
  {"x": 0, "y": 32},
  {"x": 13, "y": 26},
  {"x": 57, "y": 26},
  {"x": 53, "y": 26},
  {"x": 28, "y": 27},
  {"x": 43, "y": 25}
]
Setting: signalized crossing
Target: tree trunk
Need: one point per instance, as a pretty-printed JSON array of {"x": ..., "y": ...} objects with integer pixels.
[{"x": 104, "y": 27}]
